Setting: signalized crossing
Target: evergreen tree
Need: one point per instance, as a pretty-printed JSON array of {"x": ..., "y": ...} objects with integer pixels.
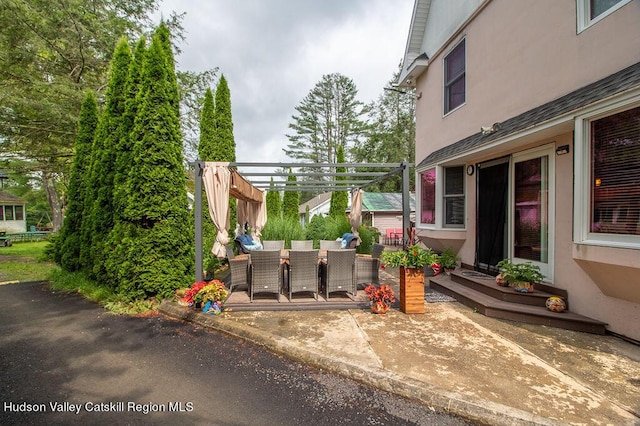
[
  {"x": 339, "y": 199},
  {"x": 98, "y": 209},
  {"x": 164, "y": 37},
  {"x": 68, "y": 245},
  {"x": 274, "y": 208},
  {"x": 291, "y": 199},
  {"x": 224, "y": 142},
  {"x": 328, "y": 117},
  {"x": 158, "y": 236},
  {"x": 207, "y": 152}
]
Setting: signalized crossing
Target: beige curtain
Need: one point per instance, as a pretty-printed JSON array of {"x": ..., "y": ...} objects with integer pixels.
[
  {"x": 257, "y": 217},
  {"x": 216, "y": 180},
  {"x": 242, "y": 213},
  {"x": 356, "y": 212}
]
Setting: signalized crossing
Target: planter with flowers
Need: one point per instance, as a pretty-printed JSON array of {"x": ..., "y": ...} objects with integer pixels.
[
  {"x": 205, "y": 295},
  {"x": 380, "y": 297},
  {"x": 520, "y": 276},
  {"x": 412, "y": 263}
]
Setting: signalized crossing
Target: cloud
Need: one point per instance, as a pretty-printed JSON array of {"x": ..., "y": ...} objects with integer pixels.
[{"x": 273, "y": 52}]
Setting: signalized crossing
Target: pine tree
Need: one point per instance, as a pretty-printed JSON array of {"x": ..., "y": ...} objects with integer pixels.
[
  {"x": 274, "y": 208},
  {"x": 98, "y": 211},
  {"x": 291, "y": 199},
  {"x": 159, "y": 235},
  {"x": 339, "y": 199},
  {"x": 68, "y": 246}
]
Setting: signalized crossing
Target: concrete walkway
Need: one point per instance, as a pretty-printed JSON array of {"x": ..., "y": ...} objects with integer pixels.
[{"x": 487, "y": 370}]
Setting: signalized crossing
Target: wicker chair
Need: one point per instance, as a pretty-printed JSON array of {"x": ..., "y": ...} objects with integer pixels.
[
  {"x": 301, "y": 245},
  {"x": 303, "y": 272},
  {"x": 367, "y": 268},
  {"x": 238, "y": 268},
  {"x": 330, "y": 244},
  {"x": 265, "y": 271},
  {"x": 273, "y": 245},
  {"x": 339, "y": 272}
]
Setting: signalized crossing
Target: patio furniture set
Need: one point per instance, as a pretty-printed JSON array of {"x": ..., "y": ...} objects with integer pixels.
[{"x": 281, "y": 271}]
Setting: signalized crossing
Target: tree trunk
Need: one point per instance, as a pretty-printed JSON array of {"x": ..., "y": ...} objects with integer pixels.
[{"x": 54, "y": 201}]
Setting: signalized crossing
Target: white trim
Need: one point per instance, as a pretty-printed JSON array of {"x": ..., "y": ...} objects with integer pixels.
[
  {"x": 582, "y": 172},
  {"x": 547, "y": 150},
  {"x": 583, "y": 15}
]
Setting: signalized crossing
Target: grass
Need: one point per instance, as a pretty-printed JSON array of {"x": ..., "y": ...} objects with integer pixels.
[{"x": 27, "y": 261}]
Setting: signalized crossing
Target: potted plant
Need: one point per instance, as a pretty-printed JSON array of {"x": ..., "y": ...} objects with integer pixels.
[
  {"x": 520, "y": 276},
  {"x": 211, "y": 296},
  {"x": 380, "y": 298},
  {"x": 449, "y": 260},
  {"x": 412, "y": 263}
]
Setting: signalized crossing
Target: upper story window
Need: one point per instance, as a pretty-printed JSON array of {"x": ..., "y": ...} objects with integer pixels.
[
  {"x": 454, "y": 78},
  {"x": 592, "y": 11}
]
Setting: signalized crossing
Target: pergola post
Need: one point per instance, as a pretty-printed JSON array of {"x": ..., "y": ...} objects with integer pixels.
[
  {"x": 197, "y": 207},
  {"x": 406, "y": 206}
]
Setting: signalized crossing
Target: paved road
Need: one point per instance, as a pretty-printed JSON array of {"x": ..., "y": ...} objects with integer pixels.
[{"x": 101, "y": 368}]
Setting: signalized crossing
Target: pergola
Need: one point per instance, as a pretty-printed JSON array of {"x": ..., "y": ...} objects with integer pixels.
[{"x": 249, "y": 187}]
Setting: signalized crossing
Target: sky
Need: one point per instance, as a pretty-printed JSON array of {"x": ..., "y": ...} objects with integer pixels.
[{"x": 273, "y": 52}]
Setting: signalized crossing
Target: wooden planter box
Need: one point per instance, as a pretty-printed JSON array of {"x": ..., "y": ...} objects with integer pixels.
[{"x": 412, "y": 290}]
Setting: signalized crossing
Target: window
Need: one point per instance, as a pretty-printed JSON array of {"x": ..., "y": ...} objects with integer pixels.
[
  {"x": 428, "y": 197},
  {"x": 19, "y": 213},
  {"x": 592, "y": 11},
  {"x": 608, "y": 178},
  {"x": 8, "y": 212},
  {"x": 454, "y": 78},
  {"x": 1, "y": 213},
  {"x": 615, "y": 171},
  {"x": 454, "y": 196}
]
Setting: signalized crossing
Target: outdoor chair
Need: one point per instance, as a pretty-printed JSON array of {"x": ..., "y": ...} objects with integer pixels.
[
  {"x": 238, "y": 268},
  {"x": 265, "y": 272},
  {"x": 367, "y": 268},
  {"x": 273, "y": 245},
  {"x": 303, "y": 272},
  {"x": 339, "y": 272},
  {"x": 301, "y": 245},
  {"x": 330, "y": 244}
]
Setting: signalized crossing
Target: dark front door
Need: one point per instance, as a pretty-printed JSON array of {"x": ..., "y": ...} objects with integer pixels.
[{"x": 492, "y": 196}]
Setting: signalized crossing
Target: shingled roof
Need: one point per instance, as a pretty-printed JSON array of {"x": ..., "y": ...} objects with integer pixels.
[{"x": 619, "y": 82}]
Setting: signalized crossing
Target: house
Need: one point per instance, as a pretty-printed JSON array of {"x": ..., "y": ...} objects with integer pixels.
[
  {"x": 382, "y": 210},
  {"x": 528, "y": 142},
  {"x": 13, "y": 217}
]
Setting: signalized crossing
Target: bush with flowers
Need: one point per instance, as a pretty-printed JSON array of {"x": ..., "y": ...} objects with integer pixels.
[
  {"x": 211, "y": 294},
  {"x": 415, "y": 256},
  {"x": 382, "y": 295}
]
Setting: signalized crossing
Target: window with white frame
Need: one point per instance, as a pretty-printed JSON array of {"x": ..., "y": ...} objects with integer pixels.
[
  {"x": 592, "y": 11},
  {"x": 609, "y": 178},
  {"x": 428, "y": 197},
  {"x": 453, "y": 197},
  {"x": 454, "y": 78}
]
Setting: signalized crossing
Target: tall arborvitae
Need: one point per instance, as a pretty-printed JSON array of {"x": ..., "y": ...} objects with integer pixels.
[
  {"x": 224, "y": 142},
  {"x": 160, "y": 239},
  {"x": 99, "y": 214},
  {"x": 339, "y": 199},
  {"x": 291, "y": 199},
  {"x": 116, "y": 249},
  {"x": 164, "y": 36},
  {"x": 206, "y": 152},
  {"x": 69, "y": 246},
  {"x": 274, "y": 207}
]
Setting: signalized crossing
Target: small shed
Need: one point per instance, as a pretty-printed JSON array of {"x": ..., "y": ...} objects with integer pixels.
[{"x": 13, "y": 216}]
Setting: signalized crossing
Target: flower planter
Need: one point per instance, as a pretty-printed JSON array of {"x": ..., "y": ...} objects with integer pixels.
[
  {"x": 412, "y": 290},
  {"x": 379, "y": 308}
]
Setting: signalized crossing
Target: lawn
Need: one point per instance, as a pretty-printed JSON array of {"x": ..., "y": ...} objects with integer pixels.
[{"x": 25, "y": 262}]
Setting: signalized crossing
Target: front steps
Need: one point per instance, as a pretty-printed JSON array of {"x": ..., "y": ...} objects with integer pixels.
[{"x": 480, "y": 291}]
